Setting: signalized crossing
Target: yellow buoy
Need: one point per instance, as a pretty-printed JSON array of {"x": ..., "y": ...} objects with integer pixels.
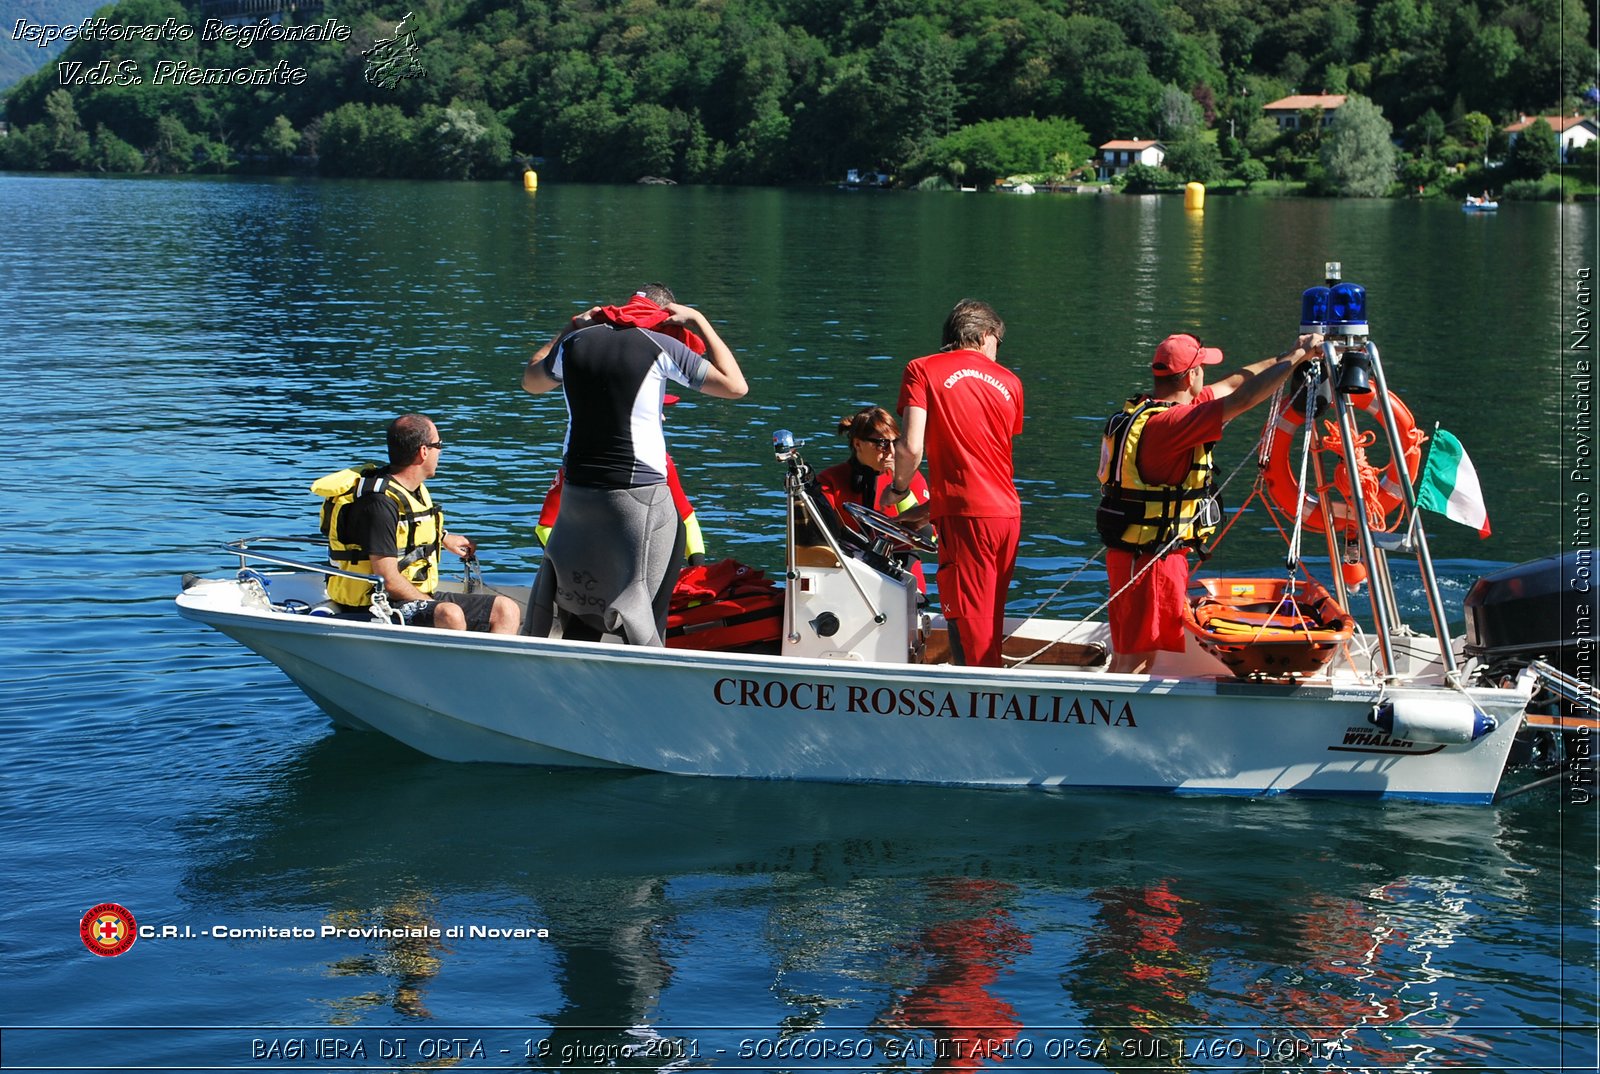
[
  {"x": 530, "y": 180},
  {"x": 1194, "y": 197}
]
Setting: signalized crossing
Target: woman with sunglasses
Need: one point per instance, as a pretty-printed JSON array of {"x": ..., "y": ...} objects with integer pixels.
[{"x": 869, "y": 471}]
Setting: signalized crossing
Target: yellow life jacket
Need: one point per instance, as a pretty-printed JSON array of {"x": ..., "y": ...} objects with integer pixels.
[
  {"x": 418, "y": 534},
  {"x": 1139, "y": 517}
]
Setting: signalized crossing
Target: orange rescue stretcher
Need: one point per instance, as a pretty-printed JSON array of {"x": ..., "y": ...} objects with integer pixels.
[{"x": 1267, "y": 628}]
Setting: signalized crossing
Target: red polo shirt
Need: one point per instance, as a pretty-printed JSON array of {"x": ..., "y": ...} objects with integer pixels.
[{"x": 974, "y": 408}]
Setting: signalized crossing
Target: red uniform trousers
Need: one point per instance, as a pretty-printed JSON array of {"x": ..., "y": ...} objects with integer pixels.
[
  {"x": 1149, "y": 616},
  {"x": 976, "y": 559}
]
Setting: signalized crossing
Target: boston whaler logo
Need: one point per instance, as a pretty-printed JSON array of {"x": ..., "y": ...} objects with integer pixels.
[
  {"x": 924, "y": 702},
  {"x": 1360, "y": 738}
]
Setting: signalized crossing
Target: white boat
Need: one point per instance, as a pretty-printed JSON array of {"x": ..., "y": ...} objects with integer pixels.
[
  {"x": 852, "y": 690},
  {"x": 1479, "y": 205},
  {"x": 1189, "y": 728}
]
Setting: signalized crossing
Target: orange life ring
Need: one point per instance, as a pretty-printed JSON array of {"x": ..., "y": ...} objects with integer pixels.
[{"x": 1380, "y": 489}]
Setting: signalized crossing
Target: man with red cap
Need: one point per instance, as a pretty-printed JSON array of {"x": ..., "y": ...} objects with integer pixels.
[{"x": 1158, "y": 488}]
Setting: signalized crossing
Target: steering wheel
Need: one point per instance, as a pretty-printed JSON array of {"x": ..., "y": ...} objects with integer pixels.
[{"x": 881, "y": 525}]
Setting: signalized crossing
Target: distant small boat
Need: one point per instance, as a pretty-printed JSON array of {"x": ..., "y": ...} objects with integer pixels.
[
  {"x": 856, "y": 179},
  {"x": 1479, "y": 205}
]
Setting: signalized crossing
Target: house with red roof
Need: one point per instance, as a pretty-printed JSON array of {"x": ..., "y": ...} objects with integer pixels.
[
  {"x": 1572, "y": 132},
  {"x": 1287, "y": 110},
  {"x": 1120, "y": 154}
]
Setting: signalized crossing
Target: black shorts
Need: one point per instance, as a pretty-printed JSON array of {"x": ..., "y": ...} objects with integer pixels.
[{"x": 476, "y": 606}]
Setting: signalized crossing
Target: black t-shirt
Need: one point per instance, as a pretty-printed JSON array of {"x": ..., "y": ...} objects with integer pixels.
[
  {"x": 370, "y": 522},
  {"x": 614, "y": 379}
]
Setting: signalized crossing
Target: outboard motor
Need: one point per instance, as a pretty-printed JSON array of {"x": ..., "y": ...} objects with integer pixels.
[
  {"x": 1544, "y": 609},
  {"x": 1542, "y": 614}
]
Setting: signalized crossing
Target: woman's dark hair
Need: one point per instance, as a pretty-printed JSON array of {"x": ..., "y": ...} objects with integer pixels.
[{"x": 865, "y": 423}]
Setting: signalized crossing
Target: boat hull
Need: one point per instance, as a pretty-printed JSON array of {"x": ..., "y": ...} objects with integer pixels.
[{"x": 463, "y": 697}]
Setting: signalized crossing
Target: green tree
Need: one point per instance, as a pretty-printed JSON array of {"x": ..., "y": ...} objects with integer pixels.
[
  {"x": 1146, "y": 179},
  {"x": 1357, "y": 154},
  {"x": 67, "y": 144},
  {"x": 1308, "y": 137},
  {"x": 172, "y": 149},
  {"x": 983, "y": 152},
  {"x": 1586, "y": 160},
  {"x": 650, "y": 142},
  {"x": 915, "y": 92},
  {"x": 1250, "y": 171},
  {"x": 1181, "y": 115},
  {"x": 1402, "y": 23},
  {"x": 1194, "y": 160},
  {"x": 460, "y": 142},
  {"x": 1492, "y": 54},
  {"x": 1535, "y": 152},
  {"x": 280, "y": 140},
  {"x": 1107, "y": 84},
  {"x": 1420, "y": 171},
  {"x": 370, "y": 140},
  {"x": 25, "y": 150},
  {"x": 1558, "y": 55},
  {"x": 1476, "y": 129},
  {"x": 1427, "y": 131}
]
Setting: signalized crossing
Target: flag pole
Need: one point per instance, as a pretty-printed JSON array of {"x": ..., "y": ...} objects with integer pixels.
[{"x": 1430, "y": 581}]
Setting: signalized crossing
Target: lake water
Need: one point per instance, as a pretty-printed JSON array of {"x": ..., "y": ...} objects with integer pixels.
[{"x": 184, "y": 358}]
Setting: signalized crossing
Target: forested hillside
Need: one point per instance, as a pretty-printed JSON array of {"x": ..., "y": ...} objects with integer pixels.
[
  {"x": 19, "y": 58},
  {"x": 769, "y": 91}
]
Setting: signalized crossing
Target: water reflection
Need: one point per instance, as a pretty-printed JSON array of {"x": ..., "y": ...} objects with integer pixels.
[
  {"x": 403, "y": 966},
  {"x": 1137, "y": 976},
  {"x": 924, "y": 919},
  {"x": 958, "y": 1001}
]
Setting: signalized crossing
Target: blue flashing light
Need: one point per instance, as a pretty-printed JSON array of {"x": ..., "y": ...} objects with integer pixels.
[
  {"x": 1347, "y": 304},
  {"x": 1314, "y": 306}
]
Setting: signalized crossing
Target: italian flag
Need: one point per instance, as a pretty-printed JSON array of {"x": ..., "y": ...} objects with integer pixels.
[{"x": 1450, "y": 486}]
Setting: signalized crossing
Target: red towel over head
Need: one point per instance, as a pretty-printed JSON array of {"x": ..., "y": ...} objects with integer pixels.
[{"x": 640, "y": 312}]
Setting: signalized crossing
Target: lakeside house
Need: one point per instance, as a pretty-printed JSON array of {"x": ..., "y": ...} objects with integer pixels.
[
  {"x": 1572, "y": 132},
  {"x": 1287, "y": 110},
  {"x": 1120, "y": 154}
]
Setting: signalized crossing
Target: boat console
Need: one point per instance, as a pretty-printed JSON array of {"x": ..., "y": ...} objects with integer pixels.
[{"x": 850, "y": 593}]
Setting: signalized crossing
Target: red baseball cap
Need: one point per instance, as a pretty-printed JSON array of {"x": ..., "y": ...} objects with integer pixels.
[{"x": 1181, "y": 353}]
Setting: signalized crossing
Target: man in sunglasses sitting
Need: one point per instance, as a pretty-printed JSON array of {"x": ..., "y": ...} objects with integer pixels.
[{"x": 383, "y": 521}]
